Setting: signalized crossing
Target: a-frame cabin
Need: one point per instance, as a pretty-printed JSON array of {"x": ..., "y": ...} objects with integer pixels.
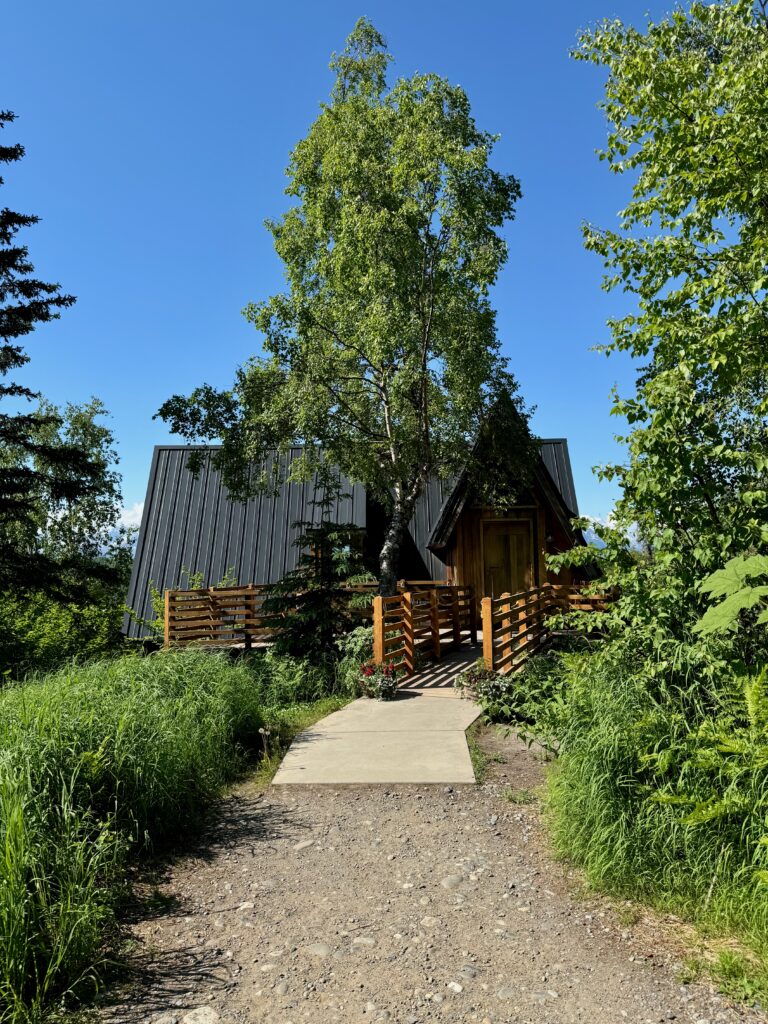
[{"x": 189, "y": 526}]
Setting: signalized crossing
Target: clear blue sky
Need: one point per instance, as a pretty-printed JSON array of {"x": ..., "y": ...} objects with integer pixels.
[{"x": 157, "y": 135}]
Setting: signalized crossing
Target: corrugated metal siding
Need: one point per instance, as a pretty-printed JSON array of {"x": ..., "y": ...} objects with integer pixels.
[
  {"x": 555, "y": 456},
  {"x": 427, "y": 513},
  {"x": 189, "y": 522}
]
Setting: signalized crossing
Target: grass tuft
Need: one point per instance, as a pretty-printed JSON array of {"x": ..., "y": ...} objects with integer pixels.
[{"x": 99, "y": 762}]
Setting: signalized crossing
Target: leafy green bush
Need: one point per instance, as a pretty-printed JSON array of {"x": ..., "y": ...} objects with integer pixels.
[
  {"x": 38, "y": 634},
  {"x": 281, "y": 680},
  {"x": 95, "y": 759},
  {"x": 661, "y": 790},
  {"x": 355, "y": 648},
  {"x": 530, "y": 701}
]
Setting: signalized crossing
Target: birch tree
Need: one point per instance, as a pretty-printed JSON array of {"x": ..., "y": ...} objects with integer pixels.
[{"x": 381, "y": 356}]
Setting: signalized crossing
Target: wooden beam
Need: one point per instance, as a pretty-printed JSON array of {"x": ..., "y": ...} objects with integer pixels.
[
  {"x": 487, "y": 618},
  {"x": 455, "y": 623},
  {"x": 408, "y": 639},
  {"x": 434, "y": 622},
  {"x": 378, "y": 630}
]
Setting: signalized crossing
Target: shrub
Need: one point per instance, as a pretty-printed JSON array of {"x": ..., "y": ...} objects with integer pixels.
[
  {"x": 378, "y": 681},
  {"x": 95, "y": 759},
  {"x": 530, "y": 700},
  {"x": 281, "y": 680},
  {"x": 38, "y": 634},
  {"x": 355, "y": 648},
  {"x": 661, "y": 790}
]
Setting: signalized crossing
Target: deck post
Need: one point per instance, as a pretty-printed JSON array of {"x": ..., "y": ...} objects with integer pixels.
[
  {"x": 167, "y": 619},
  {"x": 434, "y": 623},
  {"x": 472, "y": 613},
  {"x": 455, "y": 622},
  {"x": 520, "y": 642},
  {"x": 507, "y": 628},
  {"x": 487, "y": 619},
  {"x": 408, "y": 641},
  {"x": 378, "y": 630}
]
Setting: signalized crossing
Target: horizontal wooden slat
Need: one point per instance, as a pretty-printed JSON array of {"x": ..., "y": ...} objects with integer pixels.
[
  {"x": 517, "y": 624},
  {"x": 238, "y": 626}
]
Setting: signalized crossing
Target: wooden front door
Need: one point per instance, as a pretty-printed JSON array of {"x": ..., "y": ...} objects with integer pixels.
[{"x": 507, "y": 566}]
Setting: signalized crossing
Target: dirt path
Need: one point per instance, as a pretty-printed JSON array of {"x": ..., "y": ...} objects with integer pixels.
[{"x": 407, "y": 904}]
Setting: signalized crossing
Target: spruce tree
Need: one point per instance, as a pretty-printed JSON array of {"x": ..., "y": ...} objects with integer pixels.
[{"x": 42, "y": 467}]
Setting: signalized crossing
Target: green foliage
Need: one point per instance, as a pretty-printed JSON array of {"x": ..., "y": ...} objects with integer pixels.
[
  {"x": 733, "y": 583},
  {"x": 661, "y": 787},
  {"x": 354, "y": 649},
  {"x": 531, "y": 701},
  {"x": 661, "y": 790},
  {"x": 38, "y": 634},
  {"x": 687, "y": 106},
  {"x": 382, "y": 355},
  {"x": 95, "y": 758},
  {"x": 283, "y": 680},
  {"x": 357, "y": 645},
  {"x": 81, "y": 615},
  {"x": 77, "y": 533},
  {"x": 307, "y": 609},
  {"x": 100, "y": 760}
]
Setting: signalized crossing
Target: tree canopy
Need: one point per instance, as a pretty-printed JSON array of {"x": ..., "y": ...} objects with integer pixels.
[
  {"x": 58, "y": 492},
  {"x": 687, "y": 107},
  {"x": 381, "y": 356}
]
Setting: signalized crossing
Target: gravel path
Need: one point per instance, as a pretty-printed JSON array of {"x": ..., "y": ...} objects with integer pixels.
[{"x": 407, "y": 904}]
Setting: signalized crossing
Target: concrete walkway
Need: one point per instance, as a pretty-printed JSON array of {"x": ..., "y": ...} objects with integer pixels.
[{"x": 415, "y": 738}]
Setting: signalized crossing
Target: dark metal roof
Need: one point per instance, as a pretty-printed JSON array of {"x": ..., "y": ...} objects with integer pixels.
[
  {"x": 428, "y": 509},
  {"x": 553, "y": 472},
  {"x": 555, "y": 456},
  {"x": 188, "y": 523}
]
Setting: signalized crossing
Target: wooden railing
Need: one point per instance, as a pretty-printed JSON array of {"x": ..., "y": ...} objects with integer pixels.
[
  {"x": 233, "y": 617},
  {"x": 222, "y": 616},
  {"x": 425, "y": 619},
  {"x": 515, "y": 625}
]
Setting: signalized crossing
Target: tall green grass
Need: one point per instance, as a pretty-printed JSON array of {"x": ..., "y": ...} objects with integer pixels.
[
  {"x": 99, "y": 761},
  {"x": 95, "y": 761},
  {"x": 661, "y": 788}
]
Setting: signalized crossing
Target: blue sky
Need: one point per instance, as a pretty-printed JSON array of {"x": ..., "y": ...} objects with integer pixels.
[{"x": 157, "y": 135}]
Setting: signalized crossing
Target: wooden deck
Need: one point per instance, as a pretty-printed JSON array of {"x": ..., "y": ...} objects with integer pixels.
[{"x": 437, "y": 678}]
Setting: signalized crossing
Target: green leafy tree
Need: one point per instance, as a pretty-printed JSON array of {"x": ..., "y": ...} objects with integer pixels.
[
  {"x": 739, "y": 586},
  {"x": 663, "y": 786},
  {"x": 80, "y": 610},
  {"x": 687, "y": 106},
  {"x": 48, "y": 466},
  {"x": 381, "y": 356}
]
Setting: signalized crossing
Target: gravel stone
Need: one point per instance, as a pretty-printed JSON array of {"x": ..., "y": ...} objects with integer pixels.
[
  {"x": 202, "y": 1015},
  {"x": 319, "y": 938},
  {"x": 452, "y": 881}
]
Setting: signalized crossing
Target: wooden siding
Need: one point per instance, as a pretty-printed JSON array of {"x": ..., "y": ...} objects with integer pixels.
[{"x": 466, "y": 555}]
